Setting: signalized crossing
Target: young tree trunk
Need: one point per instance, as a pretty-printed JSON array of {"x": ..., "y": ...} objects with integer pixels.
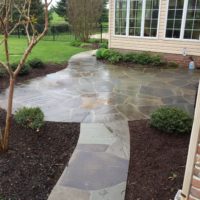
[{"x": 5, "y": 137}]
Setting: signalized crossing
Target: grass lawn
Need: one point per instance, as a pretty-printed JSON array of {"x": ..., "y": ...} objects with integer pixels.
[
  {"x": 47, "y": 51},
  {"x": 57, "y": 19}
]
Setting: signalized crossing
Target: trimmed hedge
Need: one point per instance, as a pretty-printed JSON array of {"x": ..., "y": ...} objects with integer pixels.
[{"x": 171, "y": 120}]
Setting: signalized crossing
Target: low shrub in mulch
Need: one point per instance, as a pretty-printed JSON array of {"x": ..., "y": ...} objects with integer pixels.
[
  {"x": 171, "y": 120},
  {"x": 157, "y": 162},
  {"x": 35, "y": 160},
  {"x": 30, "y": 118},
  {"x": 139, "y": 58}
]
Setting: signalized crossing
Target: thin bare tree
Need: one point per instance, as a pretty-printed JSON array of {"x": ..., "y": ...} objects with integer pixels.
[
  {"x": 7, "y": 26},
  {"x": 84, "y": 16}
]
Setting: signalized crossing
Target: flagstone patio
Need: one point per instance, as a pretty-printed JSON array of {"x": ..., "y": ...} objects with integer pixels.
[{"x": 90, "y": 91}]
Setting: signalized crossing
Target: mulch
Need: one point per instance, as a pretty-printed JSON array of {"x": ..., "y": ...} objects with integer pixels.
[
  {"x": 157, "y": 163},
  {"x": 34, "y": 72},
  {"x": 35, "y": 161}
]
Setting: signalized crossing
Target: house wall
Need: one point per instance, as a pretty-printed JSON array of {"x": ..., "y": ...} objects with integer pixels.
[{"x": 172, "y": 49}]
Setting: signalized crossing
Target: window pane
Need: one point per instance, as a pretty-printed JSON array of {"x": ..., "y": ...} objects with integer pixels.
[
  {"x": 196, "y": 34},
  {"x": 193, "y": 20},
  {"x": 179, "y": 4},
  {"x": 179, "y": 14},
  {"x": 174, "y": 20},
  {"x": 120, "y": 17},
  {"x": 189, "y": 24},
  {"x": 170, "y": 24},
  {"x": 169, "y": 33},
  {"x": 177, "y": 24},
  {"x": 176, "y": 33},
  {"x": 151, "y": 18},
  {"x": 188, "y": 34}
]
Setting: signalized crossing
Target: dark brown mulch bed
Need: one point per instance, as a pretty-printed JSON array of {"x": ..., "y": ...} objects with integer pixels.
[
  {"x": 47, "y": 69},
  {"x": 157, "y": 163},
  {"x": 35, "y": 161}
]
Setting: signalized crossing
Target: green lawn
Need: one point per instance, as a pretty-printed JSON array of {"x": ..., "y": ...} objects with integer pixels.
[
  {"x": 47, "y": 51},
  {"x": 57, "y": 19}
]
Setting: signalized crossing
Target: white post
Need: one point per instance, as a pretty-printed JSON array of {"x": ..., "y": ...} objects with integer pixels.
[{"x": 194, "y": 141}]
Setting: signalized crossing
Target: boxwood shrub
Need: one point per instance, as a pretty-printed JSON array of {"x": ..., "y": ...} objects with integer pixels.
[
  {"x": 36, "y": 63},
  {"x": 171, "y": 120},
  {"x": 30, "y": 118}
]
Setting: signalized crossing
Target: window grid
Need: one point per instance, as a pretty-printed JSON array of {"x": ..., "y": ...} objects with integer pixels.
[
  {"x": 186, "y": 22},
  {"x": 192, "y": 21},
  {"x": 135, "y": 18},
  {"x": 151, "y": 28},
  {"x": 120, "y": 17},
  {"x": 134, "y": 24}
]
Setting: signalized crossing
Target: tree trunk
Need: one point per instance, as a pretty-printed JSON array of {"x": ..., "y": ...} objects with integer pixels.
[{"x": 5, "y": 138}]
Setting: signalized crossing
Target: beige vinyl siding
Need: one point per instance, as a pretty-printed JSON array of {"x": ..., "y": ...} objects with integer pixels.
[{"x": 159, "y": 44}]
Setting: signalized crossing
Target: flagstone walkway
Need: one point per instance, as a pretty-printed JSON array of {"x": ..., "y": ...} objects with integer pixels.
[{"x": 103, "y": 98}]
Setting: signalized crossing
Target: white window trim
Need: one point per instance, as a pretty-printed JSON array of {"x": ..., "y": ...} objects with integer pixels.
[
  {"x": 183, "y": 23},
  {"x": 142, "y": 23}
]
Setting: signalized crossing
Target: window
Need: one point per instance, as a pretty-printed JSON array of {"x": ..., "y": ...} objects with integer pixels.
[
  {"x": 151, "y": 18},
  {"x": 183, "y": 21},
  {"x": 136, "y": 17},
  {"x": 120, "y": 17},
  {"x": 192, "y": 26},
  {"x": 175, "y": 13}
]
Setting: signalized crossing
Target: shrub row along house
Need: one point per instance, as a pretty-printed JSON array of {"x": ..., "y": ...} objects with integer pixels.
[{"x": 170, "y": 27}]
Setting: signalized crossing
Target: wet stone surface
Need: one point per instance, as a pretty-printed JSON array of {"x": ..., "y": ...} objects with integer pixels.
[{"x": 90, "y": 91}]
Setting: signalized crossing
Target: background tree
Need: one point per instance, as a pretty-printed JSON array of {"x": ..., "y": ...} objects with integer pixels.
[
  {"x": 84, "y": 16},
  {"x": 61, "y": 9},
  {"x": 104, "y": 16},
  {"x": 7, "y": 27}
]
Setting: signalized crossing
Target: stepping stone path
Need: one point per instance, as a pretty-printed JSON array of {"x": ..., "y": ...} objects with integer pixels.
[{"x": 103, "y": 98}]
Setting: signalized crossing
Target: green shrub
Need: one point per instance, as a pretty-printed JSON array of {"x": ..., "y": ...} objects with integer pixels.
[
  {"x": 94, "y": 40},
  {"x": 156, "y": 60},
  {"x": 30, "y": 118},
  {"x": 36, "y": 63},
  {"x": 98, "y": 54},
  {"x": 103, "y": 45},
  {"x": 171, "y": 120},
  {"x": 24, "y": 71},
  {"x": 172, "y": 65},
  {"x": 115, "y": 57},
  {"x": 143, "y": 58},
  {"x": 75, "y": 43},
  {"x": 130, "y": 57},
  {"x": 103, "y": 53}
]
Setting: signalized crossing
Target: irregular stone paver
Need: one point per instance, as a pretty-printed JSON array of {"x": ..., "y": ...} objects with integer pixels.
[
  {"x": 90, "y": 91},
  {"x": 98, "y": 168}
]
